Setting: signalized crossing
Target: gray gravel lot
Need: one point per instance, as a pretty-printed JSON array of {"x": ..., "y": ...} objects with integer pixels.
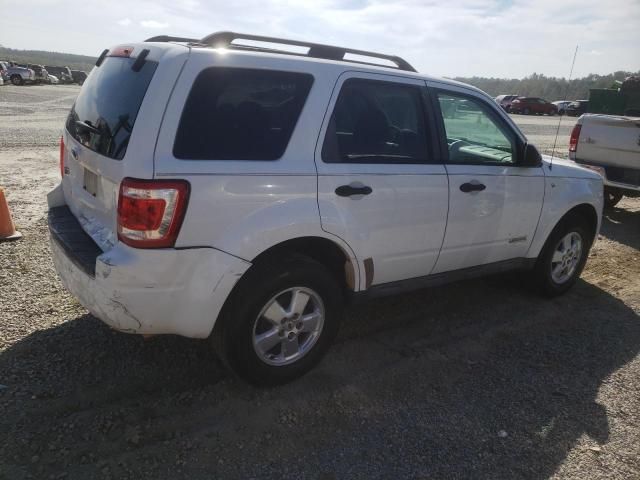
[{"x": 480, "y": 379}]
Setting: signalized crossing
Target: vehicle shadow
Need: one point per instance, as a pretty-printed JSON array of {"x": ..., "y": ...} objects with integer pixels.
[
  {"x": 480, "y": 379},
  {"x": 622, "y": 225},
  {"x": 494, "y": 360}
]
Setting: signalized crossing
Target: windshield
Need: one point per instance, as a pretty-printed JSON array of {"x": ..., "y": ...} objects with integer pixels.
[{"x": 104, "y": 113}]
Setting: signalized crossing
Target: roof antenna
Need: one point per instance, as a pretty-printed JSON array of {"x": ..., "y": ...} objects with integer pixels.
[{"x": 566, "y": 94}]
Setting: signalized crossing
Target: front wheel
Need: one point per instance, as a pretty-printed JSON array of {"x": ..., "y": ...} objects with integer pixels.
[
  {"x": 526, "y": 111},
  {"x": 563, "y": 257},
  {"x": 17, "y": 80},
  {"x": 280, "y": 320}
]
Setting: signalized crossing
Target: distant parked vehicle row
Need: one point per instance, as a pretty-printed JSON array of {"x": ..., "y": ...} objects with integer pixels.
[
  {"x": 539, "y": 106},
  {"x": 33, "y": 74}
]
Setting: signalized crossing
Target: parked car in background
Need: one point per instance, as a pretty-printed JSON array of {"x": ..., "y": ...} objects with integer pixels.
[
  {"x": 505, "y": 101},
  {"x": 4, "y": 68},
  {"x": 561, "y": 105},
  {"x": 577, "y": 108},
  {"x": 42, "y": 76},
  {"x": 18, "y": 75},
  {"x": 53, "y": 80},
  {"x": 63, "y": 73},
  {"x": 79, "y": 76},
  {"x": 532, "y": 106},
  {"x": 167, "y": 129},
  {"x": 609, "y": 144}
]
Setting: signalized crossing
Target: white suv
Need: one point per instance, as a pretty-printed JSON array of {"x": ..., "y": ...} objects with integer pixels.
[{"x": 236, "y": 188}]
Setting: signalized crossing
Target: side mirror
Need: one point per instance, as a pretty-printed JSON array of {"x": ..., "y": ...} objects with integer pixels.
[{"x": 531, "y": 156}]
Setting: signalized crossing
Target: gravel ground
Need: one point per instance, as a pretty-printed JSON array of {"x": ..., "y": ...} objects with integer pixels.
[{"x": 480, "y": 379}]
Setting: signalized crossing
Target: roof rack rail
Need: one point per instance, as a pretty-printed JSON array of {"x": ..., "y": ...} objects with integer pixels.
[
  {"x": 316, "y": 50},
  {"x": 169, "y": 38}
]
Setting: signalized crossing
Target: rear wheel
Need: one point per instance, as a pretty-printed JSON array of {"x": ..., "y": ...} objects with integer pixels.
[
  {"x": 280, "y": 320},
  {"x": 563, "y": 257},
  {"x": 526, "y": 111},
  {"x": 611, "y": 197}
]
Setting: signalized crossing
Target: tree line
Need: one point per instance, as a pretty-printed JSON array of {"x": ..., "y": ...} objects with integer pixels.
[{"x": 549, "y": 88}]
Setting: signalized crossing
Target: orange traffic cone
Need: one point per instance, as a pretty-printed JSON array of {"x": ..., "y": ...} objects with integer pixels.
[{"x": 7, "y": 228}]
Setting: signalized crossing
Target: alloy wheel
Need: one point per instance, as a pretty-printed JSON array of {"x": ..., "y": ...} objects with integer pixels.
[
  {"x": 566, "y": 257},
  {"x": 288, "y": 326}
]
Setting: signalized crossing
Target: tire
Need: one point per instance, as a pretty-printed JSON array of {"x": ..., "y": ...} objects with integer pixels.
[
  {"x": 611, "y": 197},
  {"x": 243, "y": 320},
  {"x": 552, "y": 113},
  {"x": 526, "y": 111},
  {"x": 547, "y": 273},
  {"x": 17, "y": 80}
]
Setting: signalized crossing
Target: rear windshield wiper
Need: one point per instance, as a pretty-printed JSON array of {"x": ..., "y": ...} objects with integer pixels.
[{"x": 87, "y": 126}]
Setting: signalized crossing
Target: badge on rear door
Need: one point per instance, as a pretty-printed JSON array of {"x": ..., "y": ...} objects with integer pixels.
[{"x": 90, "y": 182}]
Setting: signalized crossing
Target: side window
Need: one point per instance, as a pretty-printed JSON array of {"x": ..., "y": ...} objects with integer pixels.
[
  {"x": 376, "y": 122},
  {"x": 474, "y": 135},
  {"x": 240, "y": 114}
]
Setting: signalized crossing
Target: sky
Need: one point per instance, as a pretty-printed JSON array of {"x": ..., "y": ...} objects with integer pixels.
[{"x": 492, "y": 38}]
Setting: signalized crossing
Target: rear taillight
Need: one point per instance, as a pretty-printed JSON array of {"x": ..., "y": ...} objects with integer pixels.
[
  {"x": 573, "y": 140},
  {"x": 150, "y": 212},
  {"x": 62, "y": 156}
]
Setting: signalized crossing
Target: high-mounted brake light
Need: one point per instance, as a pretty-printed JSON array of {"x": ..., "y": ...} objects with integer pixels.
[
  {"x": 62, "y": 156},
  {"x": 575, "y": 136},
  {"x": 122, "y": 51},
  {"x": 150, "y": 212}
]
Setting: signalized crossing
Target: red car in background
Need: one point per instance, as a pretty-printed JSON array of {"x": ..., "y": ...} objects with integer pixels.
[{"x": 532, "y": 105}]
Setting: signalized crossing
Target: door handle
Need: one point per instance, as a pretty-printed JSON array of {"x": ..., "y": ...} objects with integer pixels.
[
  {"x": 472, "y": 187},
  {"x": 348, "y": 190}
]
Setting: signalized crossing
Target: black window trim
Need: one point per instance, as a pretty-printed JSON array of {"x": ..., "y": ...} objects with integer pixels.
[
  {"x": 431, "y": 135},
  {"x": 493, "y": 114},
  {"x": 252, "y": 68}
]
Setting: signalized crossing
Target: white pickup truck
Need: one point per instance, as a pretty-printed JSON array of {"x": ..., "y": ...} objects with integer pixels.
[{"x": 609, "y": 144}]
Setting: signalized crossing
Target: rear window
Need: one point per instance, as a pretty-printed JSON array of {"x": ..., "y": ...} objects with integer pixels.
[
  {"x": 105, "y": 112},
  {"x": 240, "y": 114}
]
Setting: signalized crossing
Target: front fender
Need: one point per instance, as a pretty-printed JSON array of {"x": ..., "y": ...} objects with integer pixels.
[{"x": 561, "y": 196}]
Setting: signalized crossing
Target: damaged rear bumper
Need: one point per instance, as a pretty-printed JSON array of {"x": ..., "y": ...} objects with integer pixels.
[{"x": 159, "y": 291}]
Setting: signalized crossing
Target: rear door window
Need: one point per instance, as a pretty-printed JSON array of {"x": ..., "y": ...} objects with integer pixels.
[
  {"x": 105, "y": 111},
  {"x": 240, "y": 114}
]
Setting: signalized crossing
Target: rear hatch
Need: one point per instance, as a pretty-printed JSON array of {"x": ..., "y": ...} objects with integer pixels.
[
  {"x": 610, "y": 141},
  {"x": 111, "y": 131}
]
